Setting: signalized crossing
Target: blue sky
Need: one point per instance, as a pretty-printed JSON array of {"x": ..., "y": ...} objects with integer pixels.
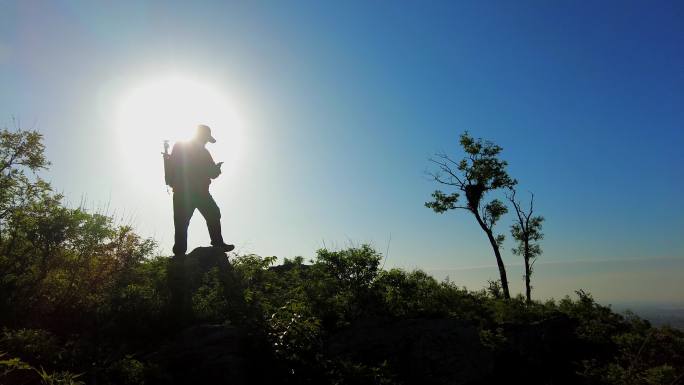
[{"x": 341, "y": 104}]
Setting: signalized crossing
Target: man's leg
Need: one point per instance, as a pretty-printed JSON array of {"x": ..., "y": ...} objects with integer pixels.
[
  {"x": 183, "y": 207},
  {"x": 212, "y": 214}
]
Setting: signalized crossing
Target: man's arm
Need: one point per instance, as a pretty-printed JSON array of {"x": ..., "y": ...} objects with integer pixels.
[{"x": 214, "y": 170}]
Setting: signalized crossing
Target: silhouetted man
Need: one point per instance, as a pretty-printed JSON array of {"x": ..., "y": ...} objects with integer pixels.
[{"x": 193, "y": 169}]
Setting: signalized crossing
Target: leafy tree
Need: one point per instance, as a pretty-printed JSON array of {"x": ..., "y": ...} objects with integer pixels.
[
  {"x": 355, "y": 267},
  {"x": 527, "y": 233},
  {"x": 479, "y": 172},
  {"x": 56, "y": 263},
  {"x": 342, "y": 283},
  {"x": 21, "y": 157}
]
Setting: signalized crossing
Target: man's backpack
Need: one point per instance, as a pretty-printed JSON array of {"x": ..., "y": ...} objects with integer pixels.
[{"x": 169, "y": 169}]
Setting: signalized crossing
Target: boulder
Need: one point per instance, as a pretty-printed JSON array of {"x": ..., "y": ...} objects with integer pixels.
[{"x": 187, "y": 273}]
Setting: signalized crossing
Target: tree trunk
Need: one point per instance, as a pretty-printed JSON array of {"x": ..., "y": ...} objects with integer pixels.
[
  {"x": 528, "y": 272},
  {"x": 528, "y": 290},
  {"x": 497, "y": 254}
]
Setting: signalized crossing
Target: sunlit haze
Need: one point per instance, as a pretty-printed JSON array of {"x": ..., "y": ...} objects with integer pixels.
[{"x": 168, "y": 108}]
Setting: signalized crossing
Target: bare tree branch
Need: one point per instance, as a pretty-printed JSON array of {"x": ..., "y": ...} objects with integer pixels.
[{"x": 445, "y": 168}]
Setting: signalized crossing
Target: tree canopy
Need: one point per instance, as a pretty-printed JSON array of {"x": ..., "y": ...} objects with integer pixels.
[{"x": 478, "y": 173}]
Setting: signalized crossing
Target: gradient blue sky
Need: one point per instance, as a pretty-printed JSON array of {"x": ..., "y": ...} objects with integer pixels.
[{"x": 341, "y": 103}]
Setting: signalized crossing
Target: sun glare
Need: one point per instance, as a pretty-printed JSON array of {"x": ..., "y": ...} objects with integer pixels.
[{"x": 169, "y": 108}]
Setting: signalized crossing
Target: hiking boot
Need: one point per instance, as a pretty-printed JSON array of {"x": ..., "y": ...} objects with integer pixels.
[{"x": 224, "y": 247}]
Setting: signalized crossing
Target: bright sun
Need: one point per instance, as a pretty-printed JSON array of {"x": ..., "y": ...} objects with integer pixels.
[{"x": 169, "y": 108}]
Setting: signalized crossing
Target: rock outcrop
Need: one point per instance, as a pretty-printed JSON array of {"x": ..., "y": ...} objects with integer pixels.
[
  {"x": 187, "y": 273},
  {"x": 201, "y": 352}
]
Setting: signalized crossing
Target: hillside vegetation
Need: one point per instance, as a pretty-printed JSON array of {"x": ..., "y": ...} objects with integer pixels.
[{"x": 86, "y": 300}]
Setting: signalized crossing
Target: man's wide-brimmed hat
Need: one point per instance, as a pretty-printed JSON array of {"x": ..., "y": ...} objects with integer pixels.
[{"x": 204, "y": 132}]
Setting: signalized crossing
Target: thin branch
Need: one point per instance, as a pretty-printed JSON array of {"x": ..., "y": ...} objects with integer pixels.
[
  {"x": 518, "y": 209},
  {"x": 445, "y": 168},
  {"x": 439, "y": 179},
  {"x": 445, "y": 156},
  {"x": 531, "y": 202}
]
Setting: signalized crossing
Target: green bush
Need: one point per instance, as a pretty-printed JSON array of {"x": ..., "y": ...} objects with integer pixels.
[
  {"x": 127, "y": 371},
  {"x": 34, "y": 345},
  {"x": 209, "y": 302}
]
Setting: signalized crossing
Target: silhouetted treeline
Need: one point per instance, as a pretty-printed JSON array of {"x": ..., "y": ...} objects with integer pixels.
[{"x": 85, "y": 300}]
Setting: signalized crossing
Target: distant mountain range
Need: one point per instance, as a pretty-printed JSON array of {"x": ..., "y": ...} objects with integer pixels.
[{"x": 657, "y": 314}]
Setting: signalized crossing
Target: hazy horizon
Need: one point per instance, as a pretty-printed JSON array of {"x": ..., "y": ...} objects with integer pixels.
[{"x": 326, "y": 115}]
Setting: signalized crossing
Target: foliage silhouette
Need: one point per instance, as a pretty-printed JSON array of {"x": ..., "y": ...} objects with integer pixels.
[
  {"x": 21, "y": 157},
  {"x": 478, "y": 173},
  {"x": 527, "y": 233}
]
